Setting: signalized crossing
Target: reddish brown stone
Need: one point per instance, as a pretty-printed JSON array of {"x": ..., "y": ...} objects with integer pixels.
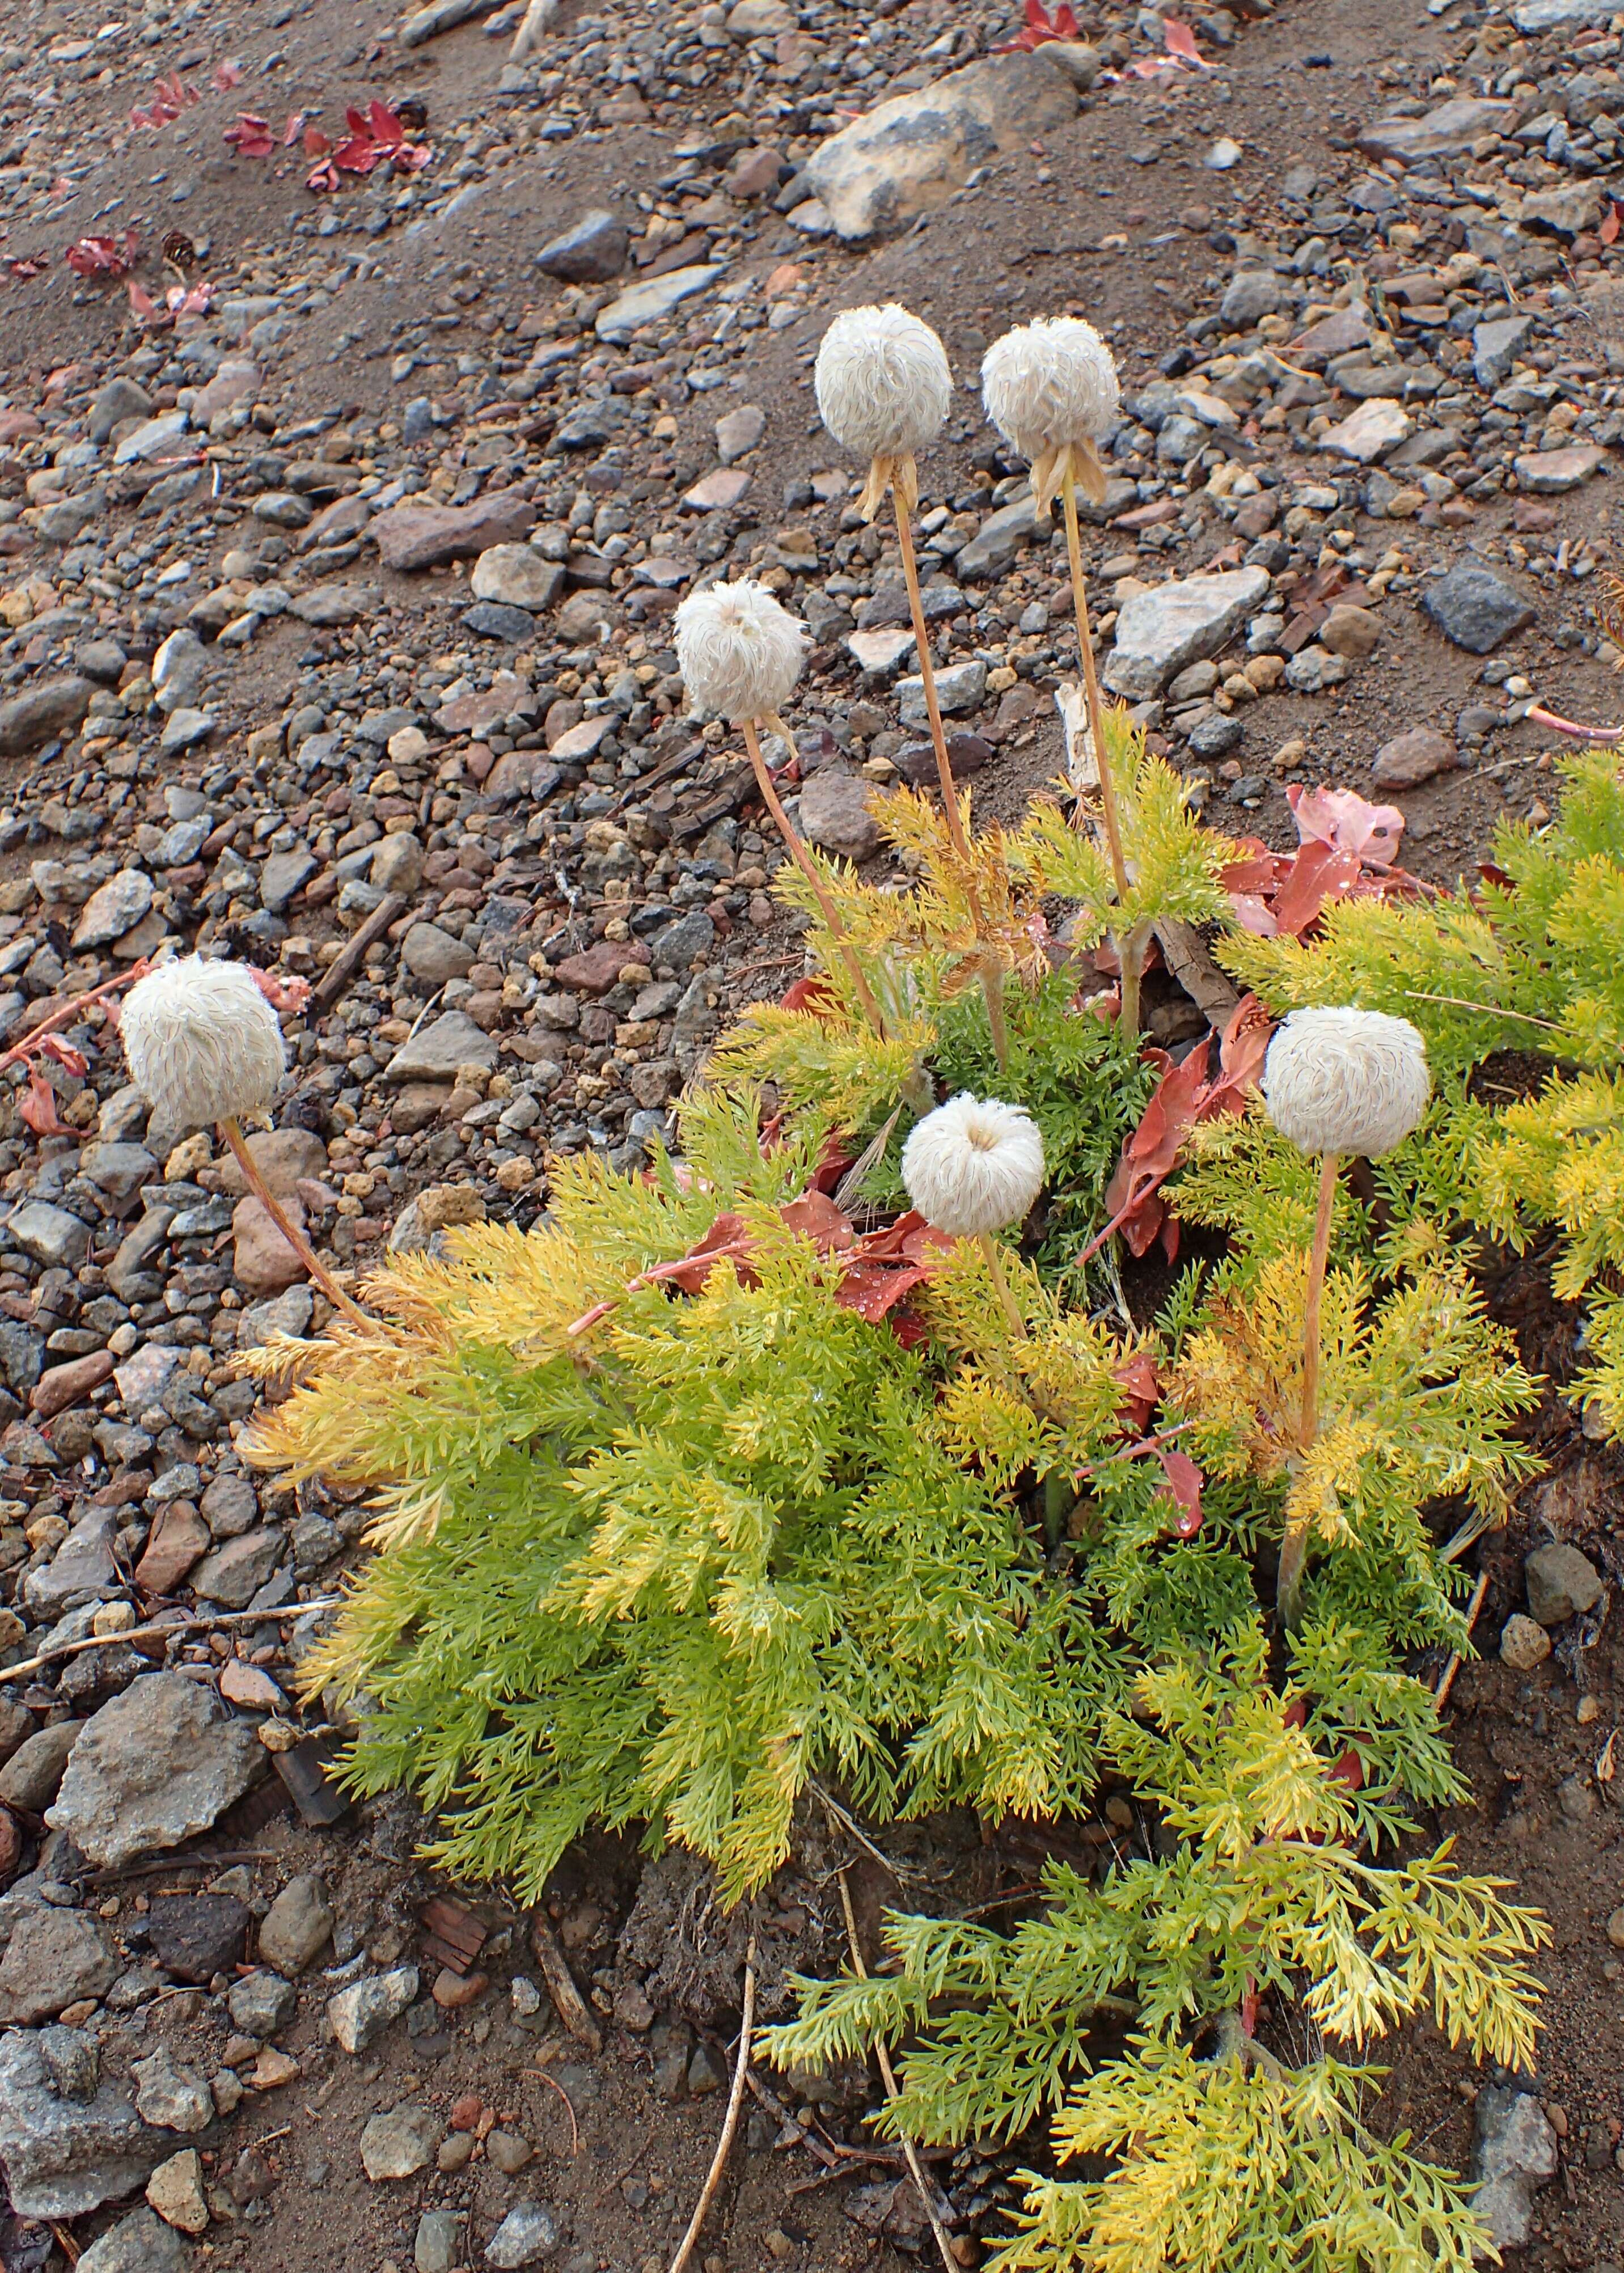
[
  {"x": 179, "y": 1538},
  {"x": 70, "y": 1384},
  {"x": 427, "y": 535},
  {"x": 595, "y": 971}
]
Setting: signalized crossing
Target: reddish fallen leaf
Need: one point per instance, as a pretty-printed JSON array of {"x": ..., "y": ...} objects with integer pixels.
[
  {"x": 1342, "y": 818},
  {"x": 1348, "y": 1771},
  {"x": 1179, "y": 40},
  {"x": 64, "y": 1054},
  {"x": 1183, "y": 1481},
  {"x": 1041, "y": 27},
  {"x": 227, "y": 75},
  {"x": 250, "y": 136},
  {"x": 727, "y": 1239},
  {"x": 103, "y": 256},
  {"x": 1141, "y": 1387},
  {"x": 1318, "y": 872},
  {"x": 39, "y": 1107},
  {"x": 179, "y": 92},
  {"x": 27, "y": 265},
  {"x": 816, "y": 1218},
  {"x": 282, "y": 993},
  {"x": 1186, "y": 1094},
  {"x": 293, "y": 129},
  {"x": 323, "y": 177},
  {"x": 1609, "y": 229},
  {"x": 813, "y": 995},
  {"x": 316, "y": 142},
  {"x": 874, "y": 1289}
]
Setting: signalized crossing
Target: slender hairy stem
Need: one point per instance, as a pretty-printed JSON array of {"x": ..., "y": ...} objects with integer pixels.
[
  {"x": 808, "y": 868},
  {"x": 992, "y": 989},
  {"x": 1001, "y": 1285},
  {"x": 232, "y": 1130},
  {"x": 1294, "y": 1549},
  {"x": 927, "y": 671},
  {"x": 1091, "y": 686},
  {"x": 718, "y": 2160}
]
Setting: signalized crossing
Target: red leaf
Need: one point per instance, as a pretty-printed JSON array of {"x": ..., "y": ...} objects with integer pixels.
[
  {"x": 1184, "y": 1482},
  {"x": 1609, "y": 229},
  {"x": 316, "y": 142},
  {"x": 295, "y": 127},
  {"x": 30, "y": 265},
  {"x": 250, "y": 137},
  {"x": 323, "y": 177},
  {"x": 227, "y": 75},
  {"x": 1179, "y": 40},
  {"x": 812, "y": 995},
  {"x": 143, "y": 306},
  {"x": 1342, "y": 818},
  {"x": 1185, "y": 1095},
  {"x": 281, "y": 993},
  {"x": 1320, "y": 872},
  {"x": 39, "y": 1107},
  {"x": 1348, "y": 1771},
  {"x": 816, "y": 1218},
  {"x": 872, "y": 1290},
  {"x": 72, "y": 1061},
  {"x": 728, "y": 1238},
  {"x": 103, "y": 256},
  {"x": 1041, "y": 27},
  {"x": 359, "y": 155},
  {"x": 1141, "y": 1386}
]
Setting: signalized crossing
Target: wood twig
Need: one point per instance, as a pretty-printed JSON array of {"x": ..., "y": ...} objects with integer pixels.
[
  {"x": 567, "y": 2000},
  {"x": 9, "y": 1673},
  {"x": 718, "y": 2160},
  {"x": 1446, "y": 1679},
  {"x": 553, "y": 2084},
  {"x": 892, "y": 2093},
  {"x": 344, "y": 965}
]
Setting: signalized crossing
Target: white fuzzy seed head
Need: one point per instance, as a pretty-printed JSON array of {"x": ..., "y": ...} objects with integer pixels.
[
  {"x": 1346, "y": 1081},
  {"x": 740, "y": 653},
  {"x": 202, "y": 1042},
  {"x": 1049, "y": 384},
  {"x": 974, "y": 1165},
  {"x": 882, "y": 383}
]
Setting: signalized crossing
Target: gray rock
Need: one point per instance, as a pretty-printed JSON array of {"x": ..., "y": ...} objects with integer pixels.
[
  {"x": 185, "y": 729},
  {"x": 1454, "y": 126},
  {"x": 960, "y": 689},
  {"x": 50, "y": 1234},
  {"x": 1523, "y": 1644},
  {"x": 173, "y": 2097},
  {"x": 685, "y": 943},
  {"x": 43, "y": 713},
  {"x": 433, "y": 956},
  {"x": 333, "y": 605},
  {"x": 439, "y": 2241},
  {"x": 1565, "y": 211},
  {"x": 738, "y": 431},
  {"x": 82, "y": 1570},
  {"x": 62, "y": 2156},
  {"x": 233, "y": 1574},
  {"x": 1552, "y": 473},
  {"x": 1496, "y": 345},
  {"x": 1159, "y": 631},
  {"x": 155, "y": 438},
  {"x": 178, "y": 670},
  {"x": 22, "y": 1355},
  {"x": 297, "y": 1926},
  {"x": 30, "y": 1777},
  {"x": 1253, "y": 294},
  {"x": 834, "y": 813},
  {"x": 157, "y": 1764},
  {"x": 399, "y": 2142},
  {"x": 358, "y": 2015},
  {"x": 1516, "y": 2153},
  {"x": 261, "y": 2003},
  {"x": 591, "y": 252},
  {"x": 524, "y": 2238},
  {"x": 1562, "y": 1584},
  {"x": 1215, "y": 736},
  {"x": 283, "y": 874},
  {"x": 71, "y": 2061},
  {"x": 435, "y": 1055},
  {"x": 517, "y": 576},
  {"x": 997, "y": 541},
  {"x": 1413, "y": 758},
  {"x": 54, "y": 1958},
  {"x": 230, "y": 1506},
  {"x": 111, "y": 405},
  {"x": 1312, "y": 670},
  {"x": 1556, "y": 15},
  {"x": 118, "y": 1170},
  {"x": 397, "y": 863},
  {"x": 652, "y": 302},
  {"x": 140, "y": 2243},
  {"x": 1473, "y": 609},
  {"x": 909, "y": 154},
  {"x": 115, "y": 908},
  {"x": 512, "y": 626},
  {"x": 413, "y": 536}
]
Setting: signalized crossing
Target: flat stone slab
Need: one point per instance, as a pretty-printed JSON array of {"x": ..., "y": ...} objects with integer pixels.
[
  {"x": 1454, "y": 126},
  {"x": 652, "y": 302},
  {"x": 413, "y": 536},
  {"x": 435, "y": 1055},
  {"x": 1553, "y": 15},
  {"x": 1378, "y": 425},
  {"x": 909, "y": 154},
  {"x": 1159, "y": 631},
  {"x": 160, "y": 1762},
  {"x": 1548, "y": 473},
  {"x": 1473, "y": 609},
  {"x": 62, "y": 2158}
]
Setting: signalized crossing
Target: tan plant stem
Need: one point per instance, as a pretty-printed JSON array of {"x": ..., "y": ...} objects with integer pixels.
[
  {"x": 808, "y": 868},
  {"x": 735, "y": 2097},
  {"x": 927, "y": 671},
  {"x": 1294, "y": 1549},
  {"x": 985, "y": 1241},
  {"x": 1130, "y": 949},
  {"x": 883, "y": 2057},
  {"x": 232, "y": 1130}
]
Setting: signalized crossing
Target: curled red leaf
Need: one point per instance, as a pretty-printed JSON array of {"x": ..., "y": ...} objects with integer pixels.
[
  {"x": 1183, "y": 1481},
  {"x": 39, "y": 1107}
]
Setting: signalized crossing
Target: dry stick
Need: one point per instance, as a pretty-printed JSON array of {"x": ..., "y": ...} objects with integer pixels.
[
  {"x": 1294, "y": 1550},
  {"x": 1446, "y": 1679},
  {"x": 232, "y": 1130},
  {"x": 992, "y": 981},
  {"x": 1131, "y": 958},
  {"x": 914, "y": 2164},
  {"x": 804, "y": 861},
  {"x": 162, "y": 1632},
  {"x": 735, "y": 2099}
]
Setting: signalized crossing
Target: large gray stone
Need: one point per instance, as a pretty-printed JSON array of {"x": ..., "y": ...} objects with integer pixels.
[
  {"x": 173, "y": 2097},
  {"x": 1452, "y": 125},
  {"x": 834, "y": 814},
  {"x": 652, "y": 302},
  {"x": 43, "y": 713},
  {"x": 1159, "y": 631},
  {"x": 53, "y": 1958},
  {"x": 517, "y": 576},
  {"x": 524, "y": 2238},
  {"x": 31, "y": 1776},
  {"x": 161, "y": 1762},
  {"x": 1474, "y": 608},
  {"x": 433, "y": 956},
  {"x": 999, "y": 538},
  {"x": 413, "y": 536},
  {"x": 1562, "y": 1583},
  {"x": 1557, "y": 15},
  {"x": 62, "y": 2157},
  {"x": 399, "y": 2142},
  {"x": 960, "y": 689},
  {"x": 1253, "y": 294},
  {"x": 140, "y": 2243},
  {"x": 435, "y": 1054},
  {"x": 82, "y": 1570},
  {"x": 908, "y": 154},
  {"x": 283, "y": 874},
  {"x": 234, "y": 1572},
  {"x": 1496, "y": 345},
  {"x": 50, "y": 1234},
  {"x": 591, "y": 252},
  {"x": 114, "y": 908},
  {"x": 358, "y": 2015},
  {"x": 1516, "y": 2153}
]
